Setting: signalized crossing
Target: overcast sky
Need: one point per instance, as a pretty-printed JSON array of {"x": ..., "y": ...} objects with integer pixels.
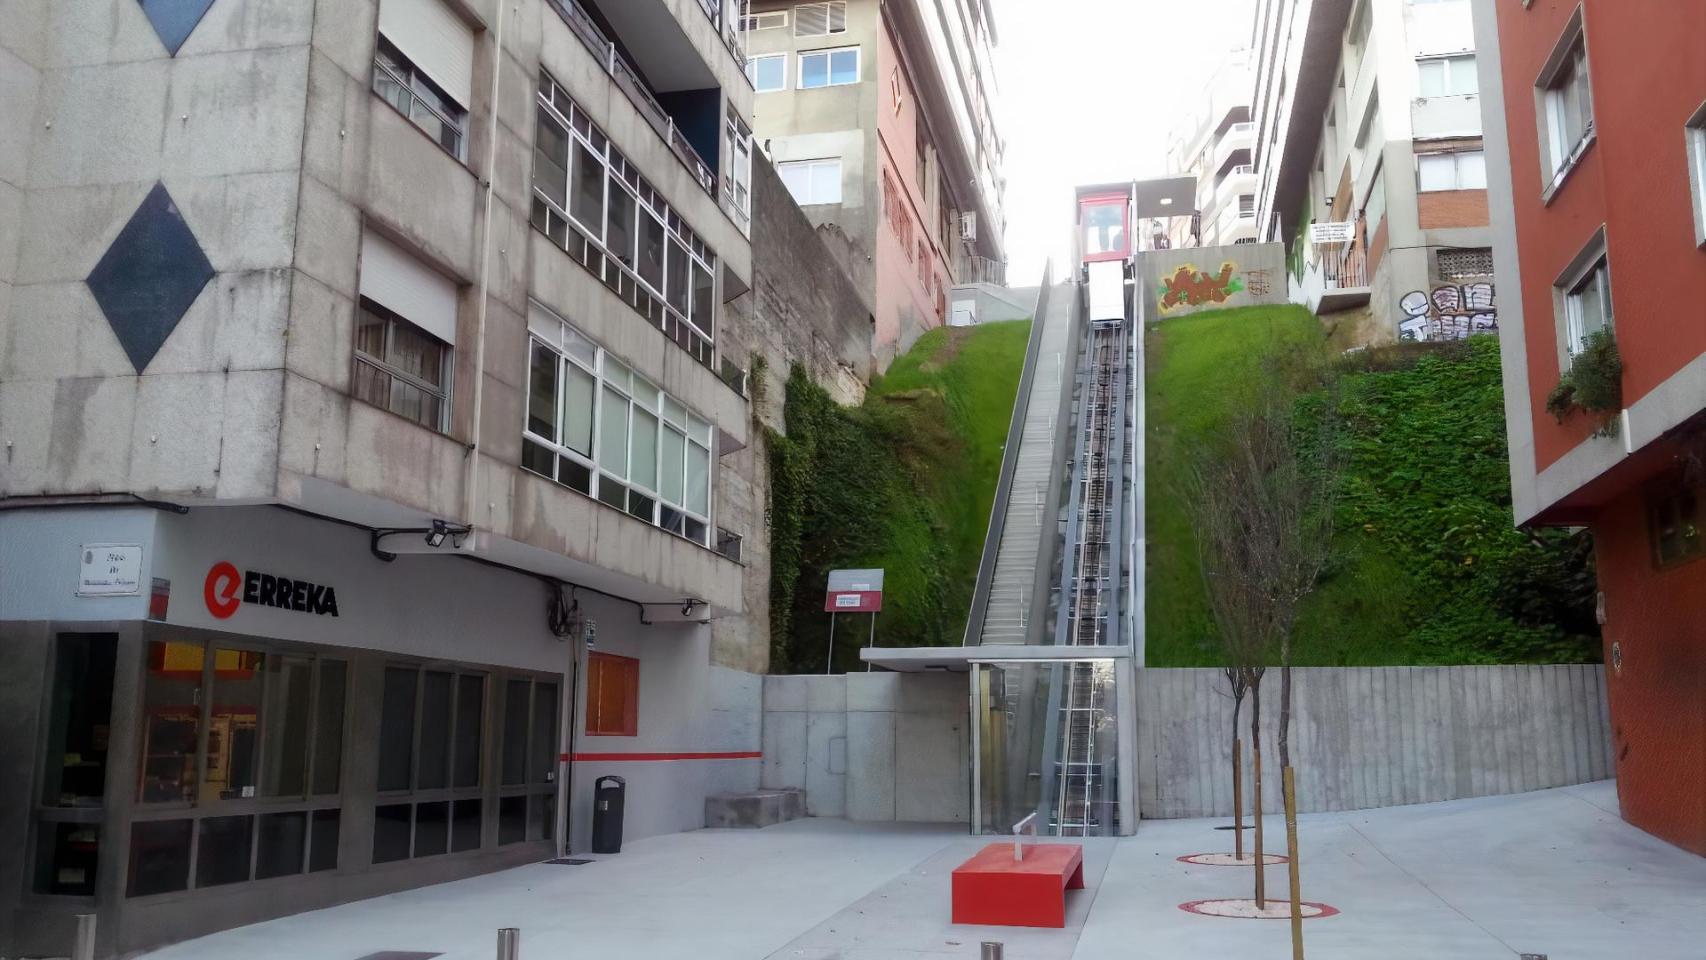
[{"x": 1089, "y": 91}]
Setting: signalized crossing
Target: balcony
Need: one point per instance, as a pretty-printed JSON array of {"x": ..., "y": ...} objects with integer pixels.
[
  {"x": 1337, "y": 279},
  {"x": 1239, "y": 137}
]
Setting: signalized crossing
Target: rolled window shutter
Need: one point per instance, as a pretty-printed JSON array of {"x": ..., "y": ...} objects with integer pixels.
[
  {"x": 407, "y": 287},
  {"x": 812, "y": 19},
  {"x": 837, "y": 16},
  {"x": 434, "y": 39}
]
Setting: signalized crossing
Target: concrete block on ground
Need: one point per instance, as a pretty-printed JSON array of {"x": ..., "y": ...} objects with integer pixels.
[{"x": 761, "y": 808}]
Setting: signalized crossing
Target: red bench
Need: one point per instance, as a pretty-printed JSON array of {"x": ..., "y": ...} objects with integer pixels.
[{"x": 993, "y": 888}]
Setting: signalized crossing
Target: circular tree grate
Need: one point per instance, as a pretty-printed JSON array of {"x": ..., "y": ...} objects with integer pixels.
[
  {"x": 1245, "y": 909},
  {"x": 1230, "y": 860}
]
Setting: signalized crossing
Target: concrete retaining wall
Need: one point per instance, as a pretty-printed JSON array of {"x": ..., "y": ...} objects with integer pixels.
[
  {"x": 1374, "y": 736},
  {"x": 871, "y": 746},
  {"x": 1186, "y": 280}
]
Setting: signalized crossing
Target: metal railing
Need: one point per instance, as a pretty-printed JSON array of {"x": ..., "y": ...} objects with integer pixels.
[
  {"x": 976, "y": 269},
  {"x": 1344, "y": 267},
  {"x": 628, "y": 79}
]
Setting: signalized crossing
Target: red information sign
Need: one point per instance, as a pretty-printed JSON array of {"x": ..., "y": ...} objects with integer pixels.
[{"x": 854, "y": 591}]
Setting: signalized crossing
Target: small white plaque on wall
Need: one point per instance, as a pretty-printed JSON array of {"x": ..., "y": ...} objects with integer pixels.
[{"x": 110, "y": 570}]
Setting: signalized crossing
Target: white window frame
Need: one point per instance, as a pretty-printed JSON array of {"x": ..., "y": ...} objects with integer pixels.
[
  {"x": 827, "y": 53},
  {"x": 1456, "y": 158},
  {"x": 1569, "y": 56},
  {"x": 1452, "y": 64},
  {"x": 829, "y": 7},
  {"x": 1695, "y": 132},
  {"x": 768, "y": 20},
  {"x": 697, "y": 433},
  {"x": 752, "y": 71},
  {"x": 739, "y": 177},
  {"x": 1567, "y": 291},
  {"x": 810, "y": 167},
  {"x": 384, "y": 365}
]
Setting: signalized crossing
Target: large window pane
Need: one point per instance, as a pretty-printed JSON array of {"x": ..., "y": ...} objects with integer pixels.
[
  {"x": 512, "y": 820},
  {"x": 515, "y": 733},
  {"x": 82, "y": 705},
  {"x": 434, "y": 771},
  {"x": 613, "y": 433},
  {"x": 652, "y": 239},
  {"x": 704, "y": 300},
  {"x": 1431, "y": 78},
  {"x": 171, "y": 717},
  {"x": 1436, "y": 172},
  {"x": 432, "y": 828},
  {"x": 587, "y": 204},
  {"x": 678, "y": 281},
  {"x": 222, "y": 853},
  {"x": 397, "y": 730},
  {"x": 844, "y": 66},
  {"x": 465, "y": 826},
  {"x": 544, "y": 746},
  {"x": 672, "y": 458},
  {"x": 278, "y": 850},
  {"x": 329, "y": 727},
  {"x": 66, "y": 857},
  {"x": 159, "y": 856},
  {"x": 284, "y": 763},
  {"x": 323, "y": 842},
  {"x": 814, "y": 70},
  {"x": 391, "y": 833},
  {"x": 619, "y": 224},
  {"x": 470, "y": 715},
  {"x": 645, "y": 450},
  {"x": 698, "y": 479},
  {"x": 578, "y": 389},
  {"x": 551, "y": 159},
  {"x": 542, "y": 392},
  {"x": 1472, "y": 170}
]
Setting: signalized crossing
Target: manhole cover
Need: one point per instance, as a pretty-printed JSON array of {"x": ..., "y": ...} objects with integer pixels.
[
  {"x": 1230, "y": 860},
  {"x": 1245, "y": 909}
]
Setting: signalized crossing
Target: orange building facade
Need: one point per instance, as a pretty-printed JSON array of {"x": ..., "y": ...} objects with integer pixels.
[{"x": 1595, "y": 117}]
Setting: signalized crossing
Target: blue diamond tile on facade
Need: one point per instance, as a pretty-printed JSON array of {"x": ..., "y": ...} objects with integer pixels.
[
  {"x": 174, "y": 20},
  {"x": 149, "y": 277}
]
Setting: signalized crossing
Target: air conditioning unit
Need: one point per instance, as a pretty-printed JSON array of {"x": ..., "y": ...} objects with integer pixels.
[{"x": 968, "y": 226}]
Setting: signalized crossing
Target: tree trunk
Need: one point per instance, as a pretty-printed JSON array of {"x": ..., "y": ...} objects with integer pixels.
[
  {"x": 1237, "y": 782},
  {"x": 1289, "y": 781},
  {"x": 1256, "y": 795}
]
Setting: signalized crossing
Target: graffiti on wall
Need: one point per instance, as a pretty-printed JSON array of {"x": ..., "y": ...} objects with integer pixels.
[
  {"x": 1190, "y": 287},
  {"x": 1258, "y": 282},
  {"x": 1451, "y": 312}
]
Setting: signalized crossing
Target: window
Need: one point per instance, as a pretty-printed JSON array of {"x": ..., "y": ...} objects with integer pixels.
[
  {"x": 594, "y": 204},
  {"x": 527, "y": 796},
  {"x": 405, "y": 332},
  {"x": 812, "y": 181},
  {"x": 895, "y": 99},
  {"x": 921, "y": 156},
  {"x": 820, "y": 19},
  {"x": 1361, "y": 25},
  {"x": 1675, "y": 518},
  {"x": 596, "y": 426},
  {"x": 764, "y": 21},
  {"x": 1451, "y": 171},
  {"x": 423, "y": 66},
  {"x": 612, "y": 695},
  {"x": 1447, "y": 76},
  {"x": 68, "y": 830},
  {"x": 431, "y": 733},
  {"x": 768, "y": 72},
  {"x": 1565, "y": 103},
  {"x": 1695, "y": 131},
  {"x": 737, "y": 179},
  {"x": 224, "y": 731},
  {"x": 829, "y": 68},
  {"x": 1587, "y": 305}
]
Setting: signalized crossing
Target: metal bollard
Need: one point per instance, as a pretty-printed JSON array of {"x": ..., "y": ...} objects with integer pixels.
[
  {"x": 993, "y": 950},
  {"x": 509, "y": 943},
  {"x": 83, "y": 947}
]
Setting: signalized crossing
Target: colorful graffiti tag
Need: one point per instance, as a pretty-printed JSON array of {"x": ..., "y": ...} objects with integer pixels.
[
  {"x": 1451, "y": 312},
  {"x": 1190, "y": 287}
]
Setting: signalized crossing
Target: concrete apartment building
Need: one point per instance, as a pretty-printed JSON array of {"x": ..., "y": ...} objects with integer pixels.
[
  {"x": 1368, "y": 115},
  {"x": 880, "y": 118},
  {"x": 1596, "y": 148},
  {"x": 379, "y": 465},
  {"x": 1214, "y": 143}
]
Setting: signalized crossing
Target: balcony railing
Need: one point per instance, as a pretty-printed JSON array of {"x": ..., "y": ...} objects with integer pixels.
[
  {"x": 976, "y": 269},
  {"x": 725, "y": 15},
  {"x": 628, "y": 79}
]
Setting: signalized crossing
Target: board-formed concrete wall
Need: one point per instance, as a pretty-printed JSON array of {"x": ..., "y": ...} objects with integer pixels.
[
  {"x": 1374, "y": 736},
  {"x": 1187, "y": 280},
  {"x": 871, "y": 746}
]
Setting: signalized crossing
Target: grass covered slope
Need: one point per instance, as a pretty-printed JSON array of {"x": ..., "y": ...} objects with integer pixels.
[
  {"x": 1427, "y": 567},
  {"x": 904, "y": 482}
]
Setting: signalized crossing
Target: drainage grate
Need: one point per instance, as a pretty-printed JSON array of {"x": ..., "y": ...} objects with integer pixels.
[
  {"x": 400, "y": 955},
  {"x": 568, "y": 862}
]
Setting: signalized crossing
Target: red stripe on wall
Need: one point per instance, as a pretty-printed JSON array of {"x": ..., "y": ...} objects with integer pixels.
[{"x": 734, "y": 755}]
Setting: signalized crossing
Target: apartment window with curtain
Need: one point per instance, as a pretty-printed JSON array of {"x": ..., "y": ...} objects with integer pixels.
[
  {"x": 1565, "y": 101},
  {"x": 596, "y": 426},
  {"x": 1466, "y": 170},
  {"x": 1586, "y": 301},
  {"x": 1447, "y": 76},
  {"x": 405, "y": 334},
  {"x": 423, "y": 66}
]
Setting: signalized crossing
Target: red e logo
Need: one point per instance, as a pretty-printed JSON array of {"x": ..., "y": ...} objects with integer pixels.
[{"x": 220, "y": 590}]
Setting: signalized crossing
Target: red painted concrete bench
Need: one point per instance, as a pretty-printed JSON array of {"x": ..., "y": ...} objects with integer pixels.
[{"x": 993, "y": 888}]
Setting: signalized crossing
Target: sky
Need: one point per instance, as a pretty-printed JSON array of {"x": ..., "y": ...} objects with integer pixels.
[{"x": 1090, "y": 90}]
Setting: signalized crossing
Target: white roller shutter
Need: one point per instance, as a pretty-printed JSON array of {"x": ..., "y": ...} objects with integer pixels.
[
  {"x": 408, "y": 287},
  {"x": 434, "y": 39}
]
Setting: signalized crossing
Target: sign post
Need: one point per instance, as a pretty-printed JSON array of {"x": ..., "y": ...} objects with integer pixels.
[{"x": 852, "y": 591}]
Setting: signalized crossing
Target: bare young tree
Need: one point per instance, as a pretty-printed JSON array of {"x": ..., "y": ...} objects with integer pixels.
[{"x": 1266, "y": 532}]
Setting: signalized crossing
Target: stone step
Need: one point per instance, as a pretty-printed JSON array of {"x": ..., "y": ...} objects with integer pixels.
[{"x": 760, "y": 808}]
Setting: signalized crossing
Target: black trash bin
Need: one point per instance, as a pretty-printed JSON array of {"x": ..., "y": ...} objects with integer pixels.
[{"x": 608, "y": 794}]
